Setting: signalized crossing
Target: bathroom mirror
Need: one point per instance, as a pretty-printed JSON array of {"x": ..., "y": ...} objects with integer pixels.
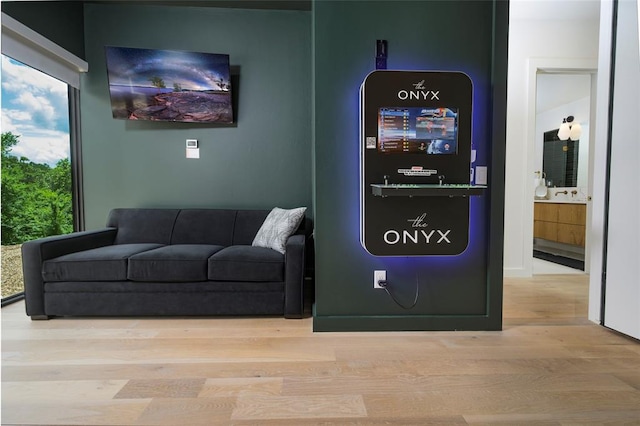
[{"x": 560, "y": 160}]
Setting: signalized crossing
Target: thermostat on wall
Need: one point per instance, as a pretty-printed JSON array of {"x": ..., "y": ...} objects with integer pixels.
[{"x": 192, "y": 148}]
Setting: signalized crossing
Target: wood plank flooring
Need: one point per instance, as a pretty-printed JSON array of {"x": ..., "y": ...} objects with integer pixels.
[{"x": 549, "y": 366}]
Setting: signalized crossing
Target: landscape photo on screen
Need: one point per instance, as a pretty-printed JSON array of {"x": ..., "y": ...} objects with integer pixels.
[
  {"x": 169, "y": 85},
  {"x": 418, "y": 130}
]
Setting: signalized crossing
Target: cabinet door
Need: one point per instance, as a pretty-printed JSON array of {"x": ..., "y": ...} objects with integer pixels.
[
  {"x": 571, "y": 234},
  {"x": 545, "y": 230},
  {"x": 546, "y": 212},
  {"x": 575, "y": 214}
]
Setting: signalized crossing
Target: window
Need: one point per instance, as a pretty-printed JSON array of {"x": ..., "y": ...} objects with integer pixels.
[
  {"x": 41, "y": 167},
  {"x": 36, "y": 165}
]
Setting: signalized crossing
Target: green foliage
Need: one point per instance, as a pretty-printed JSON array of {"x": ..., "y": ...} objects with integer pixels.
[
  {"x": 36, "y": 199},
  {"x": 157, "y": 82},
  {"x": 177, "y": 87}
]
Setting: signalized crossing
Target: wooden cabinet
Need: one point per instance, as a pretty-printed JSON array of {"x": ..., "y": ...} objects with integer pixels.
[{"x": 560, "y": 222}]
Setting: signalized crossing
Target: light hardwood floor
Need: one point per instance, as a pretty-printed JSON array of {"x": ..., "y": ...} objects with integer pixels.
[{"x": 549, "y": 366}]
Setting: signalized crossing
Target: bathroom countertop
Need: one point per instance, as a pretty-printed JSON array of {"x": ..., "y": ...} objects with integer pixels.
[{"x": 560, "y": 201}]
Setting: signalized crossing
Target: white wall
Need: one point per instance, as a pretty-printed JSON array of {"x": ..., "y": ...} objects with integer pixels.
[
  {"x": 622, "y": 306},
  {"x": 599, "y": 160},
  {"x": 533, "y": 43}
]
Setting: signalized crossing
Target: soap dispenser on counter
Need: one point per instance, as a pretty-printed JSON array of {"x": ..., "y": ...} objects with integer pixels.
[{"x": 540, "y": 186}]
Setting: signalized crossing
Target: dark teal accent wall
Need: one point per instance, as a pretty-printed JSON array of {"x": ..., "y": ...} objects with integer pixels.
[
  {"x": 59, "y": 21},
  {"x": 456, "y": 292},
  {"x": 263, "y": 161}
]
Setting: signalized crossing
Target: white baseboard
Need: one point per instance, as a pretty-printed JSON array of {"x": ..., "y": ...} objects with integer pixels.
[{"x": 516, "y": 273}]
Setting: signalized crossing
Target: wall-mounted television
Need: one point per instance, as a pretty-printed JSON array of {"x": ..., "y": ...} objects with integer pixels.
[{"x": 169, "y": 85}]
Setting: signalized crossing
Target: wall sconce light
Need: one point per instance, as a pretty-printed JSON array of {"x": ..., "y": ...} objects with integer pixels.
[{"x": 569, "y": 129}]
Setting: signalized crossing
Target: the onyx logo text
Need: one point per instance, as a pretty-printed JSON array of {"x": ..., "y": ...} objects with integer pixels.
[
  {"x": 419, "y": 93},
  {"x": 418, "y": 234}
]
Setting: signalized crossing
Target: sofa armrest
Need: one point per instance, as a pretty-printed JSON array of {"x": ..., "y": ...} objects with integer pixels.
[
  {"x": 35, "y": 252},
  {"x": 294, "y": 277}
]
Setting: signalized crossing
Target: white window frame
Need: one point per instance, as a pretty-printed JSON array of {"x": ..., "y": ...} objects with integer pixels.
[{"x": 27, "y": 46}]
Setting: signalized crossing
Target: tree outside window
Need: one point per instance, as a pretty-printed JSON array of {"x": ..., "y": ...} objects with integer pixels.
[{"x": 36, "y": 169}]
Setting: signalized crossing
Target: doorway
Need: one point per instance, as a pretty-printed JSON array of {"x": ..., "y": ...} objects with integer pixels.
[{"x": 560, "y": 243}]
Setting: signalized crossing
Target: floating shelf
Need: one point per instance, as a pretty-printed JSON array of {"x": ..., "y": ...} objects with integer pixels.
[{"x": 427, "y": 190}]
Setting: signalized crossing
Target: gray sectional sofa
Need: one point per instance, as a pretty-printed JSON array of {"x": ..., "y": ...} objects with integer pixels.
[{"x": 158, "y": 262}]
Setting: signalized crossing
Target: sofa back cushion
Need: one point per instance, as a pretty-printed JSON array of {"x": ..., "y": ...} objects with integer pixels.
[
  {"x": 247, "y": 224},
  {"x": 204, "y": 226},
  {"x": 143, "y": 225},
  {"x": 190, "y": 226}
]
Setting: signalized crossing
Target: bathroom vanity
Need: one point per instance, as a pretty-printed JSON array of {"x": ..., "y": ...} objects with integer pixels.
[
  {"x": 559, "y": 228},
  {"x": 560, "y": 222}
]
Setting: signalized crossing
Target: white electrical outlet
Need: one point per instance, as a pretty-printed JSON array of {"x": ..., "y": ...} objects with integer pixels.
[{"x": 377, "y": 277}]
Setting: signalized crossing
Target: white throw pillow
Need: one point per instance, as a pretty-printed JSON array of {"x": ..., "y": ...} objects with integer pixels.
[{"x": 279, "y": 225}]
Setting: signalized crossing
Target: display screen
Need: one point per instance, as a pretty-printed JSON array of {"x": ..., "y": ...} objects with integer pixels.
[
  {"x": 417, "y": 130},
  {"x": 169, "y": 85}
]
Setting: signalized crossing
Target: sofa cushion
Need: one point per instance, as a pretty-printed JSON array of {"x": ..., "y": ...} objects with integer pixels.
[
  {"x": 246, "y": 263},
  {"x": 143, "y": 225},
  {"x": 177, "y": 263},
  {"x": 204, "y": 226},
  {"x": 277, "y": 227},
  {"x": 247, "y": 224},
  {"x": 107, "y": 263}
]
